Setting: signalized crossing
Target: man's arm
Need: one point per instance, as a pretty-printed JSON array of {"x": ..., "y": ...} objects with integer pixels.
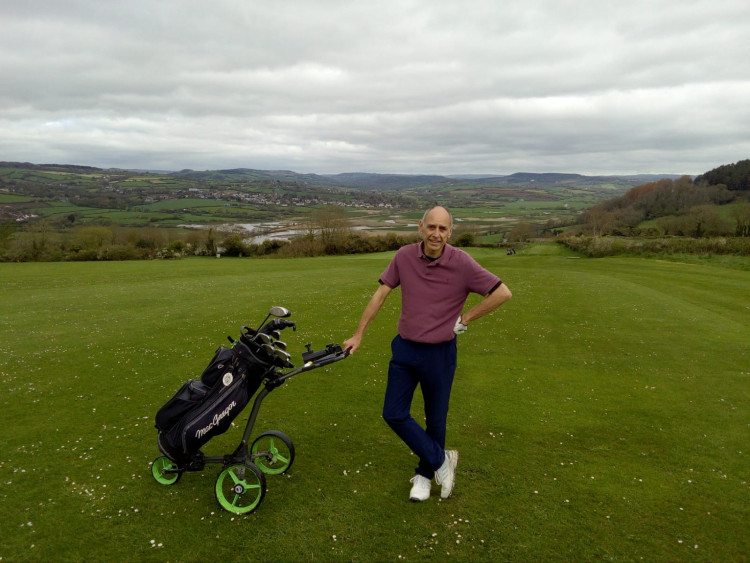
[
  {"x": 376, "y": 302},
  {"x": 488, "y": 304}
]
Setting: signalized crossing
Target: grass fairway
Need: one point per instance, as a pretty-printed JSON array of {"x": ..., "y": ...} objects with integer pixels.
[{"x": 602, "y": 414}]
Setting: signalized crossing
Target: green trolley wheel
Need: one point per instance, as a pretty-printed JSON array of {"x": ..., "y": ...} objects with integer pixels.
[
  {"x": 240, "y": 488},
  {"x": 273, "y": 452},
  {"x": 163, "y": 470}
]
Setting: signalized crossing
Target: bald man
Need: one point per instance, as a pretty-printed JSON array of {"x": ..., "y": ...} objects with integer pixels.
[{"x": 435, "y": 280}]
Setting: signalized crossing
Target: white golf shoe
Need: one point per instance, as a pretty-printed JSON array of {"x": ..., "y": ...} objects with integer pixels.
[
  {"x": 446, "y": 475},
  {"x": 421, "y": 489}
]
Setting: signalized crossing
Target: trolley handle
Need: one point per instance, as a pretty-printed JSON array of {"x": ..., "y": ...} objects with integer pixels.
[
  {"x": 331, "y": 358},
  {"x": 324, "y": 355}
]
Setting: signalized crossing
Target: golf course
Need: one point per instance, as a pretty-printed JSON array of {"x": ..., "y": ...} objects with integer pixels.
[{"x": 603, "y": 414}]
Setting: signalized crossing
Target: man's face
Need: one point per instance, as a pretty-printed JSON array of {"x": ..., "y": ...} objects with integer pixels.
[{"x": 435, "y": 230}]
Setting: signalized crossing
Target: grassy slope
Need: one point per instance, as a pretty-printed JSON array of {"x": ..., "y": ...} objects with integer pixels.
[{"x": 604, "y": 417}]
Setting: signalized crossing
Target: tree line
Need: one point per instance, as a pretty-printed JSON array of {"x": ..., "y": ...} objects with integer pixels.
[
  {"x": 714, "y": 204},
  {"x": 735, "y": 177},
  {"x": 327, "y": 232}
]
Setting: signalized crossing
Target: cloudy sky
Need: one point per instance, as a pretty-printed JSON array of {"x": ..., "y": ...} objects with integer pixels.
[{"x": 392, "y": 86}]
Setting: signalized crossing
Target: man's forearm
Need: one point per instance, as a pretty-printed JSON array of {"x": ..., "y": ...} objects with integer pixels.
[
  {"x": 371, "y": 311},
  {"x": 488, "y": 304}
]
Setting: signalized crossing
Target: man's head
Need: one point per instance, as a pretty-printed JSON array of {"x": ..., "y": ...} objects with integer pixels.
[{"x": 435, "y": 227}]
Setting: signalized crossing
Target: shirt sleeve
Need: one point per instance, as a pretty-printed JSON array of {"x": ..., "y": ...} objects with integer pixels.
[
  {"x": 498, "y": 284},
  {"x": 390, "y": 276},
  {"x": 481, "y": 280}
]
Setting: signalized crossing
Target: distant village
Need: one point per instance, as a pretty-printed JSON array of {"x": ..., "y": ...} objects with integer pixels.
[{"x": 130, "y": 197}]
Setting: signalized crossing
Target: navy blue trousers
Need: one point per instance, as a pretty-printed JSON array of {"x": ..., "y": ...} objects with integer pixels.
[{"x": 432, "y": 367}]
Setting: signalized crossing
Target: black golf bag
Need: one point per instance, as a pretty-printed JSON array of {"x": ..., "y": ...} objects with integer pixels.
[{"x": 205, "y": 407}]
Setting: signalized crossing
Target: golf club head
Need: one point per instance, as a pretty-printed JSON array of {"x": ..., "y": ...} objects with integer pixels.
[
  {"x": 264, "y": 338},
  {"x": 280, "y": 345},
  {"x": 275, "y": 334},
  {"x": 281, "y": 312},
  {"x": 284, "y": 357},
  {"x": 276, "y": 311},
  {"x": 269, "y": 350}
]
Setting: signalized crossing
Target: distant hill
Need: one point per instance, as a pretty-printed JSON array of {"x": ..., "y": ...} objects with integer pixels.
[
  {"x": 365, "y": 181},
  {"x": 72, "y": 168},
  {"x": 385, "y": 181},
  {"x": 375, "y": 181},
  {"x": 247, "y": 175},
  {"x": 368, "y": 181},
  {"x": 519, "y": 179},
  {"x": 563, "y": 179}
]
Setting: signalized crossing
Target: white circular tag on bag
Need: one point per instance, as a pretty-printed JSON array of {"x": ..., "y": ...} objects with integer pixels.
[{"x": 228, "y": 378}]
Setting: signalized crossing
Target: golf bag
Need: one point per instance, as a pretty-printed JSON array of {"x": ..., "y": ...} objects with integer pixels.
[{"x": 206, "y": 407}]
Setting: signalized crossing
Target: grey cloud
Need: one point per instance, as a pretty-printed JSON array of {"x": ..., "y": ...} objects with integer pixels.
[{"x": 415, "y": 86}]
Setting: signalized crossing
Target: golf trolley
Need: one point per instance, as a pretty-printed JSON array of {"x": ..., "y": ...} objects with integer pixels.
[{"x": 205, "y": 408}]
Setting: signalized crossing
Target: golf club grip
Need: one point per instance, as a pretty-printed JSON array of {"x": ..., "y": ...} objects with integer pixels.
[{"x": 277, "y": 324}]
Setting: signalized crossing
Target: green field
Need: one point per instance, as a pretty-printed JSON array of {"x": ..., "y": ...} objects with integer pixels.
[
  {"x": 66, "y": 195},
  {"x": 602, "y": 414}
]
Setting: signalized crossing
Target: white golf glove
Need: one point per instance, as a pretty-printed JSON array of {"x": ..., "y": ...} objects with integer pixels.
[{"x": 460, "y": 327}]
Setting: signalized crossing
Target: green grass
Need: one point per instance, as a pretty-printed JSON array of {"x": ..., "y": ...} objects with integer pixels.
[
  {"x": 188, "y": 203},
  {"x": 602, "y": 414},
  {"x": 12, "y": 198}
]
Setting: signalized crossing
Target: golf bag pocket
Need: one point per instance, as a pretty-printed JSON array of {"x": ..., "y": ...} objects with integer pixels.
[
  {"x": 192, "y": 393},
  {"x": 207, "y": 419},
  {"x": 217, "y": 366}
]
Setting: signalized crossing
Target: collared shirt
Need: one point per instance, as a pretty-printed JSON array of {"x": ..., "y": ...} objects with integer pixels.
[{"x": 433, "y": 292}]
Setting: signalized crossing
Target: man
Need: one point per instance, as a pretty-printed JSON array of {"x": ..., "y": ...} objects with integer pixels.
[{"x": 435, "y": 279}]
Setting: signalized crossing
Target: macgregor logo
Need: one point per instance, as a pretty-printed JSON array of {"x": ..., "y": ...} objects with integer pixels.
[{"x": 217, "y": 419}]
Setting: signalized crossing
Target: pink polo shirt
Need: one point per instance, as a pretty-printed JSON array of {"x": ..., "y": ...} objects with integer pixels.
[{"x": 433, "y": 293}]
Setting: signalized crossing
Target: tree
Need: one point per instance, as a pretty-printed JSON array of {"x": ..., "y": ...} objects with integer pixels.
[
  {"x": 92, "y": 237},
  {"x": 332, "y": 226},
  {"x": 465, "y": 239},
  {"x": 741, "y": 216},
  {"x": 233, "y": 245},
  {"x": 735, "y": 176},
  {"x": 705, "y": 221},
  {"x": 522, "y": 232},
  {"x": 598, "y": 220},
  {"x": 7, "y": 229},
  {"x": 43, "y": 227},
  {"x": 210, "y": 243}
]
